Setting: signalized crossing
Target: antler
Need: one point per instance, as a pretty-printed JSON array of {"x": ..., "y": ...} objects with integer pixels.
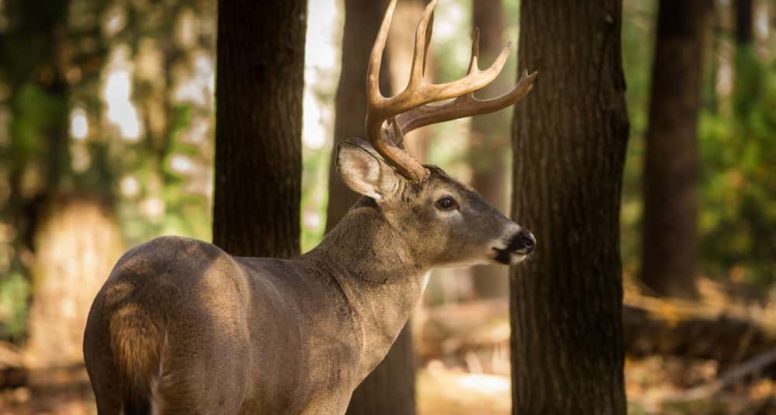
[{"x": 388, "y": 119}]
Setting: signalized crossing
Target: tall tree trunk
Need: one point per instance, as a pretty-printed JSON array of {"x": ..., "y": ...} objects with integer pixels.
[
  {"x": 488, "y": 143},
  {"x": 76, "y": 244},
  {"x": 258, "y": 168},
  {"x": 671, "y": 161},
  {"x": 400, "y": 50},
  {"x": 390, "y": 389},
  {"x": 569, "y": 150},
  {"x": 744, "y": 22},
  {"x": 362, "y": 20}
]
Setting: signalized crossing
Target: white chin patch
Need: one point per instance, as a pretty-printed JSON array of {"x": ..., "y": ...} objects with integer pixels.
[{"x": 516, "y": 258}]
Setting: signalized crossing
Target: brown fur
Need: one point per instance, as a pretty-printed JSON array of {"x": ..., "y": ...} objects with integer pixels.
[{"x": 191, "y": 329}]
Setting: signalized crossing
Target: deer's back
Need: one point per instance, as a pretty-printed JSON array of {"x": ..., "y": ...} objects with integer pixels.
[{"x": 207, "y": 330}]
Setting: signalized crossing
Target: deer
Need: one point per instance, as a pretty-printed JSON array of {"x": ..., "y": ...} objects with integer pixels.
[{"x": 182, "y": 327}]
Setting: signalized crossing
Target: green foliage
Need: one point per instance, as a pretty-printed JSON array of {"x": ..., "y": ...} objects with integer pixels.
[
  {"x": 14, "y": 295},
  {"x": 36, "y": 114},
  {"x": 314, "y": 196},
  {"x": 638, "y": 25},
  {"x": 737, "y": 217}
]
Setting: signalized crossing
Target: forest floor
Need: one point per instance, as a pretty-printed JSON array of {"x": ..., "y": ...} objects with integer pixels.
[
  {"x": 654, "y": 386},
  {"x": 464, "y": 368}
]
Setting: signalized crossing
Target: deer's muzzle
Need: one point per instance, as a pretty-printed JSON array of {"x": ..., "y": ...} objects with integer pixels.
[{"x": 519, "y": 247}]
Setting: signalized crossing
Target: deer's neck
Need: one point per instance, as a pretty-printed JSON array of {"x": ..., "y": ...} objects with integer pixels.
[{"x": 378, "y": 273}]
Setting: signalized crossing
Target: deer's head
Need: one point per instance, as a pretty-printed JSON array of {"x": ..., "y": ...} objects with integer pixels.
[{"x": 446, "y": 222}]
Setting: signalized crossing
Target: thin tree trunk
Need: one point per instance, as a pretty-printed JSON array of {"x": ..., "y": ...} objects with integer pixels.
[
  {"x": 488, "y": 142},
  {"x": 671, "y": 161},
  {"x": 569, "y": 149},
  {"x": 258, "y": 167},
  {"x": 390, "y": 389}
]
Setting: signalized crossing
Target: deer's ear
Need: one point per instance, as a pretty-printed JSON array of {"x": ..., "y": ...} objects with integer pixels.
[{"x": 364, "y": 171}]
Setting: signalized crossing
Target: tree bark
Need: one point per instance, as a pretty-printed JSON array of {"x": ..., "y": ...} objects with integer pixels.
[
  {"x": 744, "y": 22},
  {"x": 390, "y": 389},
  {"x": 569, "y": 149},
  {"x": 258, "y": 166},
  {"x": 488, "y": 142},
  {"x": 362, "y": 20},
  {"x": 651, "y": 326},
  {"x": 671, "y": 162},
  {"x": 77, "y": 243}
]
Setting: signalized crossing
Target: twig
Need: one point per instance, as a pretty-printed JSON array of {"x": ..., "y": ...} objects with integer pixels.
[{"x": 751, "y": 366}]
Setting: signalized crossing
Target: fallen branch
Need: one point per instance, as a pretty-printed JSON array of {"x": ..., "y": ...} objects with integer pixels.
[{"x": 651, "y": 327}]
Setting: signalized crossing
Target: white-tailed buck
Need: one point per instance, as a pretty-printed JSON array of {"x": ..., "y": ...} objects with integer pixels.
[{"x": 182, "y": 327}]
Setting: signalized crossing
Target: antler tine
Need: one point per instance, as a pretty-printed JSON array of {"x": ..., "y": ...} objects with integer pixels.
[
  {"x": 422, "y": 41},
  {"x": 388, "y": 141},
  {"x": 473, "y": 65},
  {"x": 388, "y": 119},
  {"x": 464, "y": 106},
  {"x": 374, "y": 96},
  {"x": 429, "y": 32}
]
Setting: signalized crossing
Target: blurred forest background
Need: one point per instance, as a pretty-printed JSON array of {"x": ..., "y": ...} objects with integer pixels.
[{"x": 107, "y": 130}]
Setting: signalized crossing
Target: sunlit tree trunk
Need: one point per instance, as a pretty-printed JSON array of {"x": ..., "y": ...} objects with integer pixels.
[
  {"x": 258, "y": 166},
  {"x": 569, "y": 145},
  {"x": 488, "y": 141},
  {"x": 67, "y": 241},
  {"x": 390, "y": 389},
  {"x": 671, "y": 162},
  {"x": 76, "y": 244}
]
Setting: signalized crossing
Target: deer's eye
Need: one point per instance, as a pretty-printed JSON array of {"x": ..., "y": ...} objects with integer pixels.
[{"x": 445, "y": 203}]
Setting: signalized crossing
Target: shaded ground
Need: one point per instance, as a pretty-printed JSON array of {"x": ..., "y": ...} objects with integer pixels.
[{"x": 64, "y": 391}]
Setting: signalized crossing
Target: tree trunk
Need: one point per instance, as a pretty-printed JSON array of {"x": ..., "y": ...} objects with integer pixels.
[
  {"x": 258, "y": 166},
  {"x": 488, "y": 143},
  {"x": 390, "y": 389},
  {"x": 76, "y": 244},
  {"x": 362, "y": 20},
  {"x": 744, "y": 20},
  {"x": 569, "y": 147},
  {"x": 671, "y": 161}
]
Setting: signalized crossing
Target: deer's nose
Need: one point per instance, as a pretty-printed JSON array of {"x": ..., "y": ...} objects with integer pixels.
[{"x": 522, "y": 242}]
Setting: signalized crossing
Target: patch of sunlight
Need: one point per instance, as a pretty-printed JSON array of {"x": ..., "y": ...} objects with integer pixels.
[
  {"x": 117, "y": 93},
  {"x": 314, "y": 128},
  {"x": 450, "y": 18},
  {"x": 321, "y": 60},
  {"x": 312, "y": 220},
  {"x": 182, "y": 164},
  {"x": 197, "y": 87},
  {"x": 79, "y": 124},
  {"x": 130, "y": 186},
  {"x": 152, "y": 207},
  {"x": 485, "y": 383},
  {"x": 114, "y": 21}
]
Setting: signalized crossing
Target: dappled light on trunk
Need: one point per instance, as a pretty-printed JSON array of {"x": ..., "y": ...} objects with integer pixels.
[{"x": 76, "y": 245}]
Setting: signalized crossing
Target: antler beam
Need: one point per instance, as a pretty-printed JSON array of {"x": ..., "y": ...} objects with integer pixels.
[{"x": 388, "y": 119}]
